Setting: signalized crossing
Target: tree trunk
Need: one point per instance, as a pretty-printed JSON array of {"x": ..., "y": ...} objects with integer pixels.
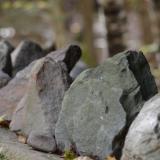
[
  {"x": 156, "y": 5},
  {"x": 145, "y": 20},
  {"x": 87, "y": 11},
  {"x": 62, "y": 37},
  {"x": 116, "y": 26}
]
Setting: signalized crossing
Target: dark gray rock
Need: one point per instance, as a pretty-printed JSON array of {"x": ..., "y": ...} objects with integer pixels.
[
  {"x": 69, "y": 55},
  {"x": 24, "y": 54},
  {"x": 4, "y": 79},
  {"x": 141, "y": 70},
  {"x": 5, "y": 57},
  {"x": 143, "y": 139},
  {"x": 100, "y": 105},
  {"x": 37, "y": 113}
]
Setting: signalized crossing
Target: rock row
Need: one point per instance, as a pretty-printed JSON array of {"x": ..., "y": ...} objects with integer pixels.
[{"x": 102, "y": 112}]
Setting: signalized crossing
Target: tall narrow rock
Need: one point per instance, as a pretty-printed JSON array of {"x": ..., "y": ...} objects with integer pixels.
[{"x": 38, "y": 111}]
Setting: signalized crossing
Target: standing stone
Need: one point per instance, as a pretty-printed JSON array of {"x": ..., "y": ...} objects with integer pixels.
[
  {"x": 69, "y": 55},
  {"x": 39, "y": 108},
  {"x": 38, "y": 111},
  {"x": 5, "y": 57},
  {"x": 143, "y": 139},
  {"x": 100, "y": 105},
  {"x": 11, "y": 94},
  {"x": 4, "y": 79},
  {"x": 24, "y": 54},
  {"x": 140, "y": 68}
]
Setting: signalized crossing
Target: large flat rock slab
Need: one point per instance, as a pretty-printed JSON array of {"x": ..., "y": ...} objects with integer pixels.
[{"x": 18, "y": 151}]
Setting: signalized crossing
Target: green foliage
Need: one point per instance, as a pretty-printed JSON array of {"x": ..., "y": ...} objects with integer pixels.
[
  {"x": 3, "y": 156},
  {"x": 134, "y": 3},
  {"x": 148, "y": 49},
  {"x": 23, "y": 4},
  {"x": 69, "y": 155},
  {"x": 87, "y": 57}
]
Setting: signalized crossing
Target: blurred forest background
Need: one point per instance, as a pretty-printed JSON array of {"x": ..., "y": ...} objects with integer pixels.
[{"x": 101, "y": 27}]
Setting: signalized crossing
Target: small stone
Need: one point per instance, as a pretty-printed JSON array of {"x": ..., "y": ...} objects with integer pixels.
[
  {"x": 19, "y": 151},
  {"x": 5, "y": 57},
  {"x": 22, "y": 139},
  {"x": 41, "y": 141}
]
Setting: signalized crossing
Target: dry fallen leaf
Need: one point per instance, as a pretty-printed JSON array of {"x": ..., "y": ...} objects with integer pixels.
[
  {"x": 83, "y": 158},
  {"x": 111, "y": 158},
  {"x": 3, "y": 122},
  {"x": 22, "y": 139},
  {"x": 2, "y": 118}
]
